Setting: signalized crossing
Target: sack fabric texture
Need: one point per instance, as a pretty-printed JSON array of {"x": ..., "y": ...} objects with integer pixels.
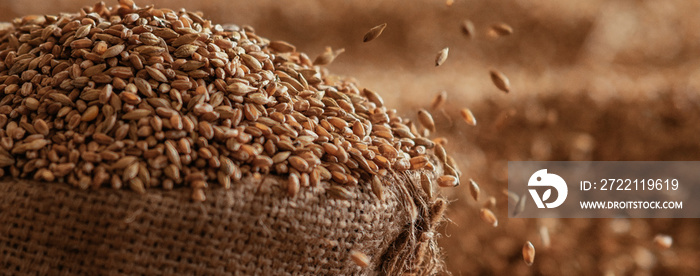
[{"x": 254, "y": 228}]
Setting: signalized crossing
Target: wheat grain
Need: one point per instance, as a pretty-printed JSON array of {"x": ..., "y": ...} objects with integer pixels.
[
  {"x": 441, "y": 56},
  {"x": 520, "y": 205},
  {"x": 663, "y": 241},
  {"x": 426, "y": 119},
  {"x": 474, "y": 190},
  {"x": 374, "y": 33},
  {"x": 502, "y": 29},
  {"x": 528, "y": 253},
  {"x": 448, "y": 181},
  {"x": 426, "y": 184},
  {"x": 488, "y": 217},
  {"x": 500, "y": 80},
  {"x": 468, "y": 28},
  {"x": 468, "y": 117},
  {"x": 377, "y": 187},
  {"x": 544, "y": 236},
  {"x": 359, "y": 258},
  {"x": 439, "y": 100}
]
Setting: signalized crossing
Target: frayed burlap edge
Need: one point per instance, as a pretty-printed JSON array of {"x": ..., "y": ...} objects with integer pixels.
[{"x": 415, "y": 251}]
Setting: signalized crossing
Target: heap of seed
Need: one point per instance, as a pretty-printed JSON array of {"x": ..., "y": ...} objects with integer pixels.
[{"x": 143, "y": 97}]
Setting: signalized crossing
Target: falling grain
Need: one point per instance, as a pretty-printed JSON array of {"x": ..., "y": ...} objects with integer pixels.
[
  {"x": 544, "y": 236},
  {"x": 468, "y": 117},
  {"x": 474, "y": 190},
  {"x": 528, "y": 253},
  {"x": 500, "y": 80},
  {"x": 511, "y": 196},
  {"x": 441, "y": 56},
  {"x": 520, "y": 205},
  {"x": 488, "y": 217},
  {"x": 374, "y": 33},
  {"x": 439, "y": 100},
  {"x": 663, "y": 241},
  {"x": 502, "y": 29},
  {"x": 468, "y": 28},
  {"x": 490, "y": 202}
]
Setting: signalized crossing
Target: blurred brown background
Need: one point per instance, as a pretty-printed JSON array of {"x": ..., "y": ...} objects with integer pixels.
[{"x": 591, "y": 80}]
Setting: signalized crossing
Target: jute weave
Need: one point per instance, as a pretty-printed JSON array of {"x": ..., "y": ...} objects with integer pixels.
[{"x": 251, "y": 229}]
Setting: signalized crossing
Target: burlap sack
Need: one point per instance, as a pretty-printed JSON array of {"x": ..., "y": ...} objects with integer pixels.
[{"x": 252, "y": 229}]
